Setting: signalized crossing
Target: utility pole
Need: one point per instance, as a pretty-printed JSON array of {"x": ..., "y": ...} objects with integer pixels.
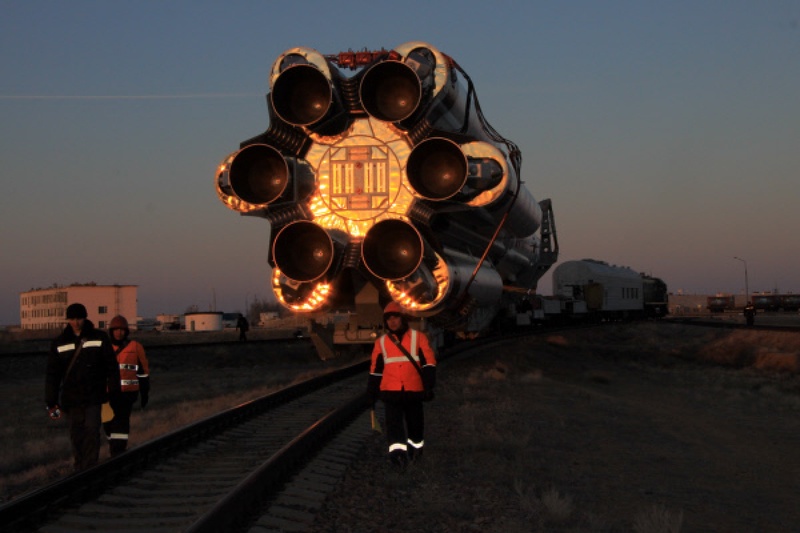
[{"x": 746, "y": 285}]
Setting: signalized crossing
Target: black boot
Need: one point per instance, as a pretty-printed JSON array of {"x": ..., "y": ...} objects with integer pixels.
[
  {"x": 414, "y": 454},
  {"x": 399, "y": 459},
  {"x": 117, "y": 446}
]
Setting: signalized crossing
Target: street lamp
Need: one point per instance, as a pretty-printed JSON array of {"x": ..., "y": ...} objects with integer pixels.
[{"x": 746, "y": 286}]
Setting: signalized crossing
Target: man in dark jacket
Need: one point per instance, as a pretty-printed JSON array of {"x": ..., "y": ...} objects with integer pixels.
[{"x": 82, "y": 373}]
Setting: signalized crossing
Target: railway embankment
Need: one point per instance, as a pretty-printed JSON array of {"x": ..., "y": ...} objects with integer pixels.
[
  {"x": 592, "y": 430},
  {"x": 646, "y": 428}
]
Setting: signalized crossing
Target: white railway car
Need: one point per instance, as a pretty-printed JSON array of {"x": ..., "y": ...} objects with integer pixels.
[{"x": 613, "y": 291}]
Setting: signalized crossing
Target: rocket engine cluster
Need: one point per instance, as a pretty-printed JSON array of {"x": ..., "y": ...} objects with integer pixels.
[{"x": 388, "y": 177}]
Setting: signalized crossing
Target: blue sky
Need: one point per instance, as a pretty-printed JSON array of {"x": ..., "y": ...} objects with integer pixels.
[{"x": 667, "y": 134}]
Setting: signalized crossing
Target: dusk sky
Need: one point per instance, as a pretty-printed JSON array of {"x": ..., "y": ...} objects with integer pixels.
[{"x": 667, "y": 134}]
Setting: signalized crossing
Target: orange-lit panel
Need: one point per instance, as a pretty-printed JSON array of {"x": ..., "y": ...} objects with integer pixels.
[
  {"x": 360, "y": 177},
  {"x": 308, "y": 296}
]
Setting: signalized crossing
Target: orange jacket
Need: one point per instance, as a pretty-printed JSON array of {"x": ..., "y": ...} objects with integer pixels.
[
  {"x": 392, "y": 367},
  {"x": 133, "y": 365}
]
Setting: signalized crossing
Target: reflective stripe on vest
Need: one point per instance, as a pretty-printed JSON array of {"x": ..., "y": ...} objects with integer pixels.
[
  {"x": 128, "y": 367},
  {"x": 402, "y": 357}
]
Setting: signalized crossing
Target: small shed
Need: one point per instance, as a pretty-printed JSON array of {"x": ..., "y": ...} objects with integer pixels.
[{"x": 208, "y": 321}]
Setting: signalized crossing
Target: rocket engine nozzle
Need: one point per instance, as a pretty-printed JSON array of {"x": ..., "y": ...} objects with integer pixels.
[
  {"x": 258, "y": 174},
  {"x": 302, "y": 95},
  {"x": 390, "y": 91},
  {"x": 392, "y": 249},
  {"x": 437, "y": 169},
  {"x": 303, "y": 251}
]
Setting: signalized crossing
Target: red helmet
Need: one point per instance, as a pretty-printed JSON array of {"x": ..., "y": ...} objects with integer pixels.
[
  {"x": 393, "y": 307},
  {"x": 118, "y": 322}
]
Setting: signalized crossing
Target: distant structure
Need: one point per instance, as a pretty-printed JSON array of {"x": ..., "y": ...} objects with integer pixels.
[
  {"x": 46, "y": 308},
  {"x": 168, "y": 322},
  {"x": 209, "y": 321}
]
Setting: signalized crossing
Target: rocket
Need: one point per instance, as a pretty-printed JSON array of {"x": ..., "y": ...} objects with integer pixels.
[{"x": 379, "y": 169}]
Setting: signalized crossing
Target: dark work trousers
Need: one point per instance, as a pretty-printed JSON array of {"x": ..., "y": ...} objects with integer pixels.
[
  {"x": 118, "y": 428},
  {"x": 84, "y": 433},
  {"x": 405, "y": 420}
]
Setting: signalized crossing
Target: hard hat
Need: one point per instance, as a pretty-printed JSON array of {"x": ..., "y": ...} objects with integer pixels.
[
  {"x": 76, "y": 311},
  {"x": 118, "y": 322},
  {"x": 393, "y": 307}
]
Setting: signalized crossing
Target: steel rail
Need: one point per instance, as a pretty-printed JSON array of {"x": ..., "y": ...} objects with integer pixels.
[
  {"x": 730, "y": 325},
  {"x": 29, "y": 512},
  {"x": 38, "y": 506},
  {"x": 234, "y": 510}
]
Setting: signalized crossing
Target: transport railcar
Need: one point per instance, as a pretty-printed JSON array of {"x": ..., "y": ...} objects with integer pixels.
[
  {"x": 790, "y": 302},
  {"x": 766, "y": 302},
  {"x": 762, "y": 303},
  {"x": 595, "y": 290},
  {"x": 656, "y": 298},
  {"x": 720, "y": 303}
]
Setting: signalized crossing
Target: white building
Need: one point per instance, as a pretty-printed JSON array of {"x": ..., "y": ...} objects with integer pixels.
[
  {"x": 210, "y": 321},
  {"x": 47, "y": 308}
]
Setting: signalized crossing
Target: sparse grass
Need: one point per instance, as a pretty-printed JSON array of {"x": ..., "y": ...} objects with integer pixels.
[
  {"x": 482, "y": 469},
  {"x": 187, "y": 385},
  {"x": 559, "y": 507},
  {"x": 658, "y": 519}
]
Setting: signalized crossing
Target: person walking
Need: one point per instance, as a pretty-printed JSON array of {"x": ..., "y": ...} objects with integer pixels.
[
  {"x": 134, "y": 373},
  {"x": 403, "y": 376},
  {"x": 242, "y": 325},
  {"x": 82, "y": 373},
  {"x": 750, "y": 313}
]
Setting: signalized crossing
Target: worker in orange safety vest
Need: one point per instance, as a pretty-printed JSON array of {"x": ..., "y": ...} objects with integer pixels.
[
  {"x": 134, "y": 372},
  {"x": 403, "y": 376}
]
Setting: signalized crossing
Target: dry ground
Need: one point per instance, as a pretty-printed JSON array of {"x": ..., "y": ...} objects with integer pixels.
[
  {"x": 629, "y": 429},
  {"x": 187, "y": 384},
  {"x": 644, "y": 428}
]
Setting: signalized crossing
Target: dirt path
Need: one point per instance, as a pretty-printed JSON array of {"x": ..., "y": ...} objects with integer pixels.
[{"x": 595, "y": 432}]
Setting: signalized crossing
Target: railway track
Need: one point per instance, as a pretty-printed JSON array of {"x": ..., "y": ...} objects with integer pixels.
[
  {"x": 268, "y": 463},
  {"x": 199, "y": 474},
  {"x": 787, "y": 324}
]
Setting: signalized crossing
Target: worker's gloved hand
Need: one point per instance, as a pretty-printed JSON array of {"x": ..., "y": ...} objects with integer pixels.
[
  {"x": 429, "y": 377},
  {"x": 54, "y": 412},
  {"x": 373, "y": 388},
  {"x": 144, "y": 390}
]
